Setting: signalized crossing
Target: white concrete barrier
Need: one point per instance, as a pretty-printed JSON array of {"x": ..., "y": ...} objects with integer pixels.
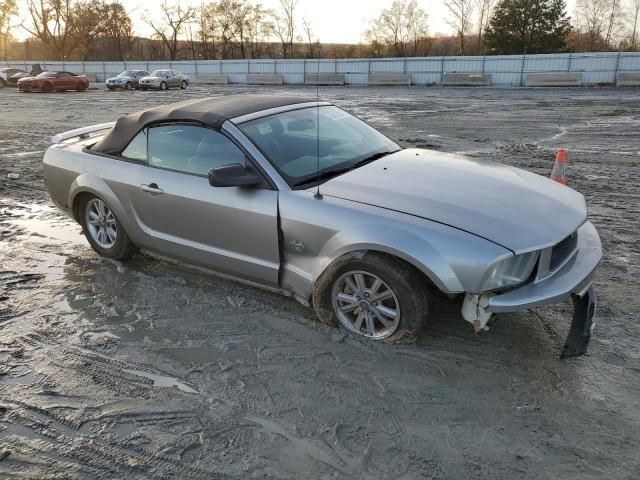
[
  {"x": 324, "y": 79},
  {"x": 628, "y": 79},
  {"x": 389, "y": 79},
  {"x": 264, "y": 79},
  {"x": 212, "y": 79},
  {"x": 92, "y": 77},
  {"x": 554, "y": 80},
  {"x": 466, "y": 80}
]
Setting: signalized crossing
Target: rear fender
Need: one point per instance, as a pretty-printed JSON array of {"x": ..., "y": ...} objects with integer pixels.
[{"x": 93, "y": 185}]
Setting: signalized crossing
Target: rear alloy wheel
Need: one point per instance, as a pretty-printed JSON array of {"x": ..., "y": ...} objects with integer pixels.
[
  {"x": 373, "y": 295},
  {"x": 163, "y": 86},
  {"x": 183, "y": 85},
  {"x": 128, "y": 86},
  {"x": 103, "y": 230}
]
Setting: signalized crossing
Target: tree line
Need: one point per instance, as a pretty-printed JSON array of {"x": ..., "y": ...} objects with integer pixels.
[{"x": 230, "y": 29}]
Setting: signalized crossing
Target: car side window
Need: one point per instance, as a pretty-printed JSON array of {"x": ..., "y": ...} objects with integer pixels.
[
  {"x": 137, "y": 148},
  {"x": 190, "y": 149}
]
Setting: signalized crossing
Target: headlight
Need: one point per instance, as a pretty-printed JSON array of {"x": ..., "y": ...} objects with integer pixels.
[{"x": 511, "y": 271}]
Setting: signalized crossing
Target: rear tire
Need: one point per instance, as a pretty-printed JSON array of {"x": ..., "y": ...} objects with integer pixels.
[
  {"x": 390, "y": 304},
  {"x": 103, "y": 230}
]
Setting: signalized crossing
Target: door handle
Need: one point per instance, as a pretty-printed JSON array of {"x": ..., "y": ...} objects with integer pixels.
[{"x": 151, "y": 188}]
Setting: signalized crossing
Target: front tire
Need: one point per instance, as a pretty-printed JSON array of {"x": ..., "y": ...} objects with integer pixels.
[
  {"x": 103, "y": 230},
  {"x": 373, "y": 295},
  {"x": 183, "y": 85},
  {"x": 1, "y": 83},
  {"x": 128, "y": 86},
  {"x": 163, "y": 86},
  {"x": 47, "y": 88}
]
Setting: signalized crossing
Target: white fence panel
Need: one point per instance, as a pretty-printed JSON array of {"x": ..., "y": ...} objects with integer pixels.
[{"x": 505, "y": 70}]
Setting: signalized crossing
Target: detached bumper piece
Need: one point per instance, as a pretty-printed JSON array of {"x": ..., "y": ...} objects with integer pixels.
[{"x": 582, "y": 325}]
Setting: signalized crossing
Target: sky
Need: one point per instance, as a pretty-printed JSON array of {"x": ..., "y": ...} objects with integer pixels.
[{"x": 333, "y": 21}]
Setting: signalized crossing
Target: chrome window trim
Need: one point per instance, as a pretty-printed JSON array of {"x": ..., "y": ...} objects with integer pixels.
[{"x": 274, "y": 111}]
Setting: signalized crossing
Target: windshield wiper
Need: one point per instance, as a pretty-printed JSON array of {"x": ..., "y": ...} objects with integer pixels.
[
  {"x": 325, "y": 174},
  {"x": 372, "y": 157}
]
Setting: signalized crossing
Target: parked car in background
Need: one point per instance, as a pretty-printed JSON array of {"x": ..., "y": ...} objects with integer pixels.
[
  {"x": 352, "y": 223},
  {"x": 13, "y": 80},
  {"x": 7, "y": 73},
  {"x": 127, "y": 80},
  {"x": 53, "y": 81},
  {"x": 164, "y": 80}
]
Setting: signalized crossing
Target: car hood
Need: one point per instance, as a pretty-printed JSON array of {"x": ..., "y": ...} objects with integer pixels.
[
  {"x": 514, "y": 208},
  {"x": 29, "y": 79},
  {"x": 120, "y": 78},
  {"x": 151, "y": 78}
]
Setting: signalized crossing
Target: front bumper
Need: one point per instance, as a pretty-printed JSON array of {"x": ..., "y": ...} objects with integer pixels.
[{"x": 573, "y": 280}]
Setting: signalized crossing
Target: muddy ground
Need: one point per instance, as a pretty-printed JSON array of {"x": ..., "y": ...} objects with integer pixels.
[{"x": 149, "y": 370}]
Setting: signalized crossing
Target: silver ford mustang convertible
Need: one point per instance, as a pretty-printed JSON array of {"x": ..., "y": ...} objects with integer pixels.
[{"x": 299, "y": 196}]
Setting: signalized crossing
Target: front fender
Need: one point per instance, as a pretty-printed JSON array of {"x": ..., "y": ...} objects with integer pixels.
[
  {"x": 398, "y": 242},
  {"x": 317, "y": 232}
]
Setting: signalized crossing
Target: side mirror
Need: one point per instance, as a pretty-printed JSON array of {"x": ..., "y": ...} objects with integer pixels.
[{"x": 233, "y": 175}]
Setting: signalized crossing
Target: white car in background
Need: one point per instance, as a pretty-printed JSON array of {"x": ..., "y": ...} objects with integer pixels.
[{"x": 164, "y": 80}]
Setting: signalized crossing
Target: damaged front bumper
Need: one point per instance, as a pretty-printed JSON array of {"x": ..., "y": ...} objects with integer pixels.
[{"x": 573, "y": 279}]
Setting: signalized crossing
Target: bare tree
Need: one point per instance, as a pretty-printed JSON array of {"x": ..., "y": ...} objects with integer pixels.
[
  {"x": 259, "y": 29},
  {"x": 461, "y": 12},
  {"x": 597, "y": 20},
  {"x": 613, "y": 22},
  {"x": 402, "y": 23},
  {"x": 284, "y": 23},
  {"x": 308, "y": 33},
  {"x": 174, "y": 19},
  {"x": 8, "y": 9},
  {"x": 416, "y": 25},
  {"x": 484, "y": 9},
  {"x": 52, "y": 24},
  {"x": 635, "y": 17}
]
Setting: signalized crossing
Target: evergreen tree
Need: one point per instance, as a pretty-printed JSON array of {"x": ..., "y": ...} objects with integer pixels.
[{"x": 528, "y": 26}]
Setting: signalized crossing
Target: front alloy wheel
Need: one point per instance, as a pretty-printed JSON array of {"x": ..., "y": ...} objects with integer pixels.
[
  {"x": 373, "y": 295},
  {"x": 366, "y": 305}
]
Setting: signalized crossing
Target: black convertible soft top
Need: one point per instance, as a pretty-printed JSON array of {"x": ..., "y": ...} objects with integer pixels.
[{"x": 211, "y": 111}]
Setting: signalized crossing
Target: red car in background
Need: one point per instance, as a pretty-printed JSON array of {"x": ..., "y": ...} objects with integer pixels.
[{"x": 50, "y": 81}]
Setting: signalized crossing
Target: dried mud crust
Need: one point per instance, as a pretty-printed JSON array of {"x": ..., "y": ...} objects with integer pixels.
[{"x": 146, "y": 370}]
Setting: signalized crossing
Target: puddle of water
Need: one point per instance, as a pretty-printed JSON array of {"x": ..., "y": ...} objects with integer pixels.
[
  {"x": 162, "y": 380},
  {"x": 64, "y": 233}
]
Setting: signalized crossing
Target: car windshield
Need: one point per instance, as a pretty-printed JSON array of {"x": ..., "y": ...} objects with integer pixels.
[
  {"x": 159, "y": 73},
  {"x": 290, "y": 141},
  {"x": 127, "y": 73},
  {"x": 47, "y": 74}
]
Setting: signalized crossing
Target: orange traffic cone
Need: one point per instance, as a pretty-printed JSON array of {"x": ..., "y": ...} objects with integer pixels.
[{"x": 558, "y": 174}]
